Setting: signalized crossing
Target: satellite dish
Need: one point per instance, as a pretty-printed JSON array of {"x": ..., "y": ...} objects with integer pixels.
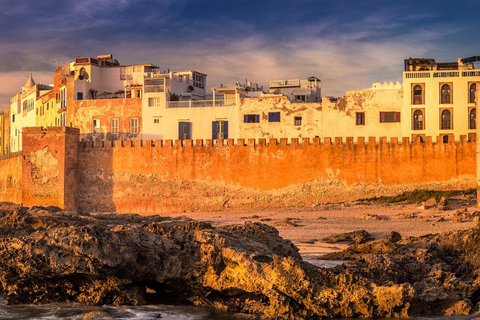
[
  {"x": 190, "y": 88},
  {"x": 83, "y": 74}
]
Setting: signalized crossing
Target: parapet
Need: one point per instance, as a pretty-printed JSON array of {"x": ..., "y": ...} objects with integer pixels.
[
  {"x": 282, "y": 142},
  {"x": 33, "y": 130}
]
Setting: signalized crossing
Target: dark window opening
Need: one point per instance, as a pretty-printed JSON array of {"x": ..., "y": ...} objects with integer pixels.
[
  {"x": 417, "y": 94},
  {"x": 473, "y": 88},
  {"x": 446, "y": 119},
  {"x": 360, "y": 118},
  {"x": 445, "y": 94},
  {"x": 220, "y": 129},
  {"x": 389, "y": 117},
  {"x": 418, "y": 120},
  {"x": 79, "y": 95},
  {"x": 473, "y": 118},
  {"x": 297, "y": 121},
  {"x": 274, "y": 117},
  {"x": 184, "y": 130},
  {"x": 445, "y": 139},
  {"x": 251, "y": 118}
]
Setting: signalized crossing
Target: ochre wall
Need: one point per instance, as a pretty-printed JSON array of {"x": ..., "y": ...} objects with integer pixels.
[
  {"x": 11, "y": 178},
  {"x": 49, "y": 166},
  {"x": 165, "y": 177}
]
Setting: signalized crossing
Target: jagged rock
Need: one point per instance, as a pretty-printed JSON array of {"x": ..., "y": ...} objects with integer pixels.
[
  {"x": 370, "y": 216},
  {"x": 393, "y": 237},
  {"x": 443, "y": 202},
  {"x": 441, "y": 268},
  {"x": 249, "y": 268},
  {"x": 409, "y": 215},
  {"x": 356, "y": 237},
  {"x": 113, "y": 259},
  {"x": 432, "y": 202}
]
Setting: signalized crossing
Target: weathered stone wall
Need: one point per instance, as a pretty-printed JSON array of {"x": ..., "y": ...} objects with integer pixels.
[
  {"x": 49, "y": 166},
  {"x": 11, "y": 178},
  {"x": 211, "y": 176}
]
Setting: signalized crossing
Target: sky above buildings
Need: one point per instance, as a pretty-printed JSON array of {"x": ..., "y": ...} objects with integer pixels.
[{"x": 348, "y": 44}]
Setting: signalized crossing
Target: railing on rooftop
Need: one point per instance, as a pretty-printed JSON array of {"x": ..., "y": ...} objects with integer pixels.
[
  {"x": 440, "y": 74},
  {"x": 200, "y": 104}
]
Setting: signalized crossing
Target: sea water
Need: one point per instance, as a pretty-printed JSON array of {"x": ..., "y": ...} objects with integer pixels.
[{"x": 75, "y": 311}]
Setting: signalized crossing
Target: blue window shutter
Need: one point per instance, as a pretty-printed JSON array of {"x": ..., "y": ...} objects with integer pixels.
[
  {"x": 257, "y": 118},
  {"x": 214, "y": 129},
  {"x": 277, "y": 116},
  {"x": 245, "y": 118},
  {"x": 189, "y": 130},
  {"x": 225, "y": 129},
  {"x": 180, "y": 131}
]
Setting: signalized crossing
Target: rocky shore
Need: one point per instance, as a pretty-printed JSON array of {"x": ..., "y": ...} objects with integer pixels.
[{"x": 47, "y": 255}]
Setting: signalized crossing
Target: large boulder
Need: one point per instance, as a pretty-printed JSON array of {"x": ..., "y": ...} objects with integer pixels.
[{"x": 48, "y": 256}]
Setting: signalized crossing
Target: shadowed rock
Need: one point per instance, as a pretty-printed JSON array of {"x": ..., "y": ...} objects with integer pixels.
[
  {"x": 355, "y": 237},
  {"x": 129, "y": 259}
]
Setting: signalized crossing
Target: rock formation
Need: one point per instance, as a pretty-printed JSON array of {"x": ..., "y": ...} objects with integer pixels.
[{"x": 48, "y": 256}]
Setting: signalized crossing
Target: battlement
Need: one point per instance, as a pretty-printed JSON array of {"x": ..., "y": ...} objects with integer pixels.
[{"x": 189, "y": 143}]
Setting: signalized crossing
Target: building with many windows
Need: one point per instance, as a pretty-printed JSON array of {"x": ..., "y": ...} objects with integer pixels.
[
  {"x": 110, "y": 101},
  {"x": 439, "y": 97}
]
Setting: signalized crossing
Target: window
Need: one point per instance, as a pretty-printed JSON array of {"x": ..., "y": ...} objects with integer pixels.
[
  {"x": 274, "y": 117},
  {"x": 63, "y": 97},
  {"x": 360, "y": 118},
  {"x": 417, "y": 94},
  {"x": 134, "y": 125},
  {"x": 472, "y": 117},
  {"x": 199, "y": 81},
  {"x": 156, "y": 121},
  {"x": 79, "y": 95},
  {"x": 297, "y": 121},
  {"x": 445, "y": 139},
  {"x": 220, "y": 129},
  {"x": 154, "y": 102},
  {"x": 389, "y": 117},
  {"x": 418, "y": 120},
  {"x": 445, "y": 94},
  {"x": 13, "y": 117},
  {"x": 251, "y": 118},
  {"x": 471, "y": 96},
  {"x": 300, "y": 98},
  {"x": 446, "y": 120},
  {"x": 184, "y": 130},
  {"x": 95, "y": 125},
  {"x": 114, "y": 124}
]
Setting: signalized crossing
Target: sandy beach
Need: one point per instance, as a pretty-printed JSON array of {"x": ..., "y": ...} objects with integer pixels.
[{"x": 307, "y": 226}]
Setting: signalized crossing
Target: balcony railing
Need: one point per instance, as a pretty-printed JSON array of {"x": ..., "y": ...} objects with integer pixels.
[
  {"x": 154, "y": 88},
  {"x": 441, "y": 74},
  {"x": 200, "y": 104}
]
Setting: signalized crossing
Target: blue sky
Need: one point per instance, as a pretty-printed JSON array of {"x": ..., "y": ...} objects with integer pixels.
[{"x": 347, "y": 44}]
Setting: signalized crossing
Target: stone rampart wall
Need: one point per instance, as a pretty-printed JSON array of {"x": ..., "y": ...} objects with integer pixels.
[
  {"x": 165, "y": 176},
  {"x": 11, "y": 178}
]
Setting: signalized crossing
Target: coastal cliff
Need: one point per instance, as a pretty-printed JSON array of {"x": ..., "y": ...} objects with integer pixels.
[{"x": 48, "y": 255}]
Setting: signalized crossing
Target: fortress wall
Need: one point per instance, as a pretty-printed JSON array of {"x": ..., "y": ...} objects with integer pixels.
[
  {"x": 11, "y": 178},
  {"x": 165, "y": 176}
]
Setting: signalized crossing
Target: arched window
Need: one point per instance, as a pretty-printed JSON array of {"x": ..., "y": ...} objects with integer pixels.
[
  {"x": 446, "y": 120},
  {"x": 417, "y": 94},
  {"x": 445, "y": 94},
  {"x": 471, "y": 96},
  {"x": 418, "y": 120},
  {"x": 472, "y": 117}
]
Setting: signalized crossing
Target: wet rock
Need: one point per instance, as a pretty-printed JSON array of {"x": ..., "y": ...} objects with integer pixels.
[{"x": 356, "y": 237}]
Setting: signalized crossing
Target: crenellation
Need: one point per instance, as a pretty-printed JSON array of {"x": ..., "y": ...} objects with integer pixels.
[
  {"x": 372, "y": 140},
  {"x": 327, "y": 141}
]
